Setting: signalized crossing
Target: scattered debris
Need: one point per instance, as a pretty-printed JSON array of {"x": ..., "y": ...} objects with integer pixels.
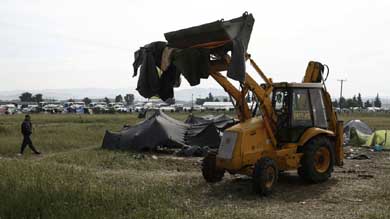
[
  {"x": 193, "y": 151},
  {"x": 353, "y": 171},
  {"x": 356, "y": 153},
  {"x": 365, "y": 176},
  {"x": 357, "y": 157},
  {"x": 353, "y": 199},
  {"x": 139, "y": 156},
  {"x": 377, "y": 148}
]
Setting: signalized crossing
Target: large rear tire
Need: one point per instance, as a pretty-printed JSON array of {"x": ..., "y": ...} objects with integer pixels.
[
  {"x": 265, "y": 176},
  {"x": 318, "y": 160},
  {"x": 209, "y": 169}
]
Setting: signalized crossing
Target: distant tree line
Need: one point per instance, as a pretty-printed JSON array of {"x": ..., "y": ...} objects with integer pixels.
[
  {"x": 209, "y": 98},
  {"x": 128, "y": 98},
  {"x": 29, "y": 97},
  {"x": 356, "y": 101}
]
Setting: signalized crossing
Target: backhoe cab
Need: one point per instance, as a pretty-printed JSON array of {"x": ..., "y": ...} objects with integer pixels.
[{"x": 298, "y": 106}]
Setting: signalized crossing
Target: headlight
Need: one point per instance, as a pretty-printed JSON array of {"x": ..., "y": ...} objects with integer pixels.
[{"x": 226, "y": 147}]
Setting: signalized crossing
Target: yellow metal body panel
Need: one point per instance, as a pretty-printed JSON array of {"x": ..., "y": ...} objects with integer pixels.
[
  {"x": 252, "y": 140},
  {"x": 312, "y": 132},
  {"x": 313, "y": 72},
  {"x": 252, "y": 143}
]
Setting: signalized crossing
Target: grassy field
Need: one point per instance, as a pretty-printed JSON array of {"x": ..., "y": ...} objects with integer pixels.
[{"x": 74, "y": 178}]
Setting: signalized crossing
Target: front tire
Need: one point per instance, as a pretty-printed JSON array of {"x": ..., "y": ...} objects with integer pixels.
[
  {"x": 318, "y": 160},
  {"x": 265, "y": 176},
  {"x": 209, "y": 169}
]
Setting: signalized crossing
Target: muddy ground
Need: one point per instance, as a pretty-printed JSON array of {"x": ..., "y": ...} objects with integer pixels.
[{"x": 359, "y": 189}]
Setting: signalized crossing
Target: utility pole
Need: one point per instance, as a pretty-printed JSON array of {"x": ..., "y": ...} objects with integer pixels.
[
  {"x": 192, "y": 102},
  {"x": 341, "y": 90}
]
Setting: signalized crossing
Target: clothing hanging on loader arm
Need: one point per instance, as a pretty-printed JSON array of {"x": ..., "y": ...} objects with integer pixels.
[
  {"x": 151, "y": 81},
  {"x": 193, "y": 63},
  {"x": 149, "y": 58},
  {"x": 168, "y": 80},
  {"x": 188, "y": 52},
  {"x": 232, "y": 35}
]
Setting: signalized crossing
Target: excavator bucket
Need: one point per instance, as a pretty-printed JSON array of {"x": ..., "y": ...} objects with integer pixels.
[
  {"x": 218, "y": 37},
  {"x": 214, "y": 34}
]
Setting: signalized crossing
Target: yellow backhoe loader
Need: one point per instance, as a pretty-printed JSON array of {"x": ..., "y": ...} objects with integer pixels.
[
  {"x": 297, "y": 130},
  {"x": 293, "y": 125}
]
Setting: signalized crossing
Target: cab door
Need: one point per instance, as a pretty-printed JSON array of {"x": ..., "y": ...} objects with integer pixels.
[{"x": 298, "y": 109}]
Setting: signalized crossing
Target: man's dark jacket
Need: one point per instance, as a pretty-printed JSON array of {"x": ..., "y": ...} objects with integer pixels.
[{"x": 26, "y": 127}]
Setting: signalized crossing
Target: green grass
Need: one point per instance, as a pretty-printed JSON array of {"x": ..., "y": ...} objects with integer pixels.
[
  {"x": 374, "y": 120},
  {"x": 47, "y": 190},
  {"x": 74, "y": 178},
  {"x": 59, "y": 132}
]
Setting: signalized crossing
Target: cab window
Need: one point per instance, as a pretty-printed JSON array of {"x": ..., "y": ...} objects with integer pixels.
[
  {"x": 301, "y": 110},
  {"x": 279, "y": 101},
  {"x": 319, "y": 113}
]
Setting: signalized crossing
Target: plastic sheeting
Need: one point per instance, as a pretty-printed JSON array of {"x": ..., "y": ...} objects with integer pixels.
[
  {"x": 380, "y": 137},
  {"x": 356, "y": 130},
  {"x": 220, "y": 121},
  {"x": 161, "y": 130}
]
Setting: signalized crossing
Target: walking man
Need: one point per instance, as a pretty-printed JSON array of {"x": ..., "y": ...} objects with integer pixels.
[{"x": 27, "y": 131}]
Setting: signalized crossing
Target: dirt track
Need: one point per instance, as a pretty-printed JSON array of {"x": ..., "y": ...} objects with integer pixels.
[{"x": 358, "y": 190}]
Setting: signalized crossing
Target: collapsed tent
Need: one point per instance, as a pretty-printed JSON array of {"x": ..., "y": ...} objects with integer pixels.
[
  {"x": 356, "y": 138},
  {"x": 161, "y": 130},
  {"x": 356, "y": 132},
  {"x": 380, "y": 137},
  {"x": 220, "y": 121},
  {"x": 157, "y": 130}
]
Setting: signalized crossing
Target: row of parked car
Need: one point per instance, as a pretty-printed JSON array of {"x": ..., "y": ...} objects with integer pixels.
[
  {"x": 67, "y": 107},
  {"x": 362, "y": 110},
  {"x": 114, "y": 107},
  {"x": 95, "y": 107}
]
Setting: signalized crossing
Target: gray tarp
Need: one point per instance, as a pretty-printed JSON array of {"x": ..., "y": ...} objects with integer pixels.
[
  {"x": 220, "y": 121},
  {"x": 358, "y": 125},
  {"x": 234, "y": 35},
  {"x": 161, "y": 130}
]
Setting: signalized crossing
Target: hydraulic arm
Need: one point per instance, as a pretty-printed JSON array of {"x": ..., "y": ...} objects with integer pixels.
[
  {"x": 262, "y": 94},
  {"x": 315, "y": 74}
]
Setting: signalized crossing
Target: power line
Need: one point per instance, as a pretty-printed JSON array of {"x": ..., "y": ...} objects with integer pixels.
[{"x": 341, "y": 89}]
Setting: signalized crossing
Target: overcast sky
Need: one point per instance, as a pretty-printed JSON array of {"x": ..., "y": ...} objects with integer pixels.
[{"x": 82, "y": 44}]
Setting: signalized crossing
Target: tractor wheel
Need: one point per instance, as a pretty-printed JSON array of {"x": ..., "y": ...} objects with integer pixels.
[
  {"x": 265, "y": 176},
  {"x": 318, "y": 160},
  {"x": 209, "y": 169}
]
